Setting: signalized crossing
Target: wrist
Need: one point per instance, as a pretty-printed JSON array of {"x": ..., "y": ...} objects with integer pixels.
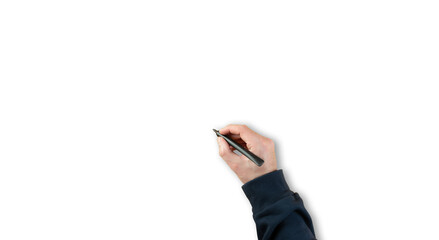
[{"x": 247, "y": 178}]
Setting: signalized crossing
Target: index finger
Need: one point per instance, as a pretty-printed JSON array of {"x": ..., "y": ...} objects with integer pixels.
[{"x": 243, "y": 131}]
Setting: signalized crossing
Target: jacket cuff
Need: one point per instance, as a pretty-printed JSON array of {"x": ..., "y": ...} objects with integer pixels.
[{"x": 266, "y": 189}]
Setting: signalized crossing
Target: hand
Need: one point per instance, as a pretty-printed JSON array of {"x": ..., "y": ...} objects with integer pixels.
[{"x": 263, "y": 147}]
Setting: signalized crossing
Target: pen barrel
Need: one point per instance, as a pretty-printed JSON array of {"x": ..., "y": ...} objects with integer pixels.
[{"x": 255, "y": 159}]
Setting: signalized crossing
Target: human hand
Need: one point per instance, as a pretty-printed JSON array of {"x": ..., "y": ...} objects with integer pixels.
[{"x": 263, "y": 147}]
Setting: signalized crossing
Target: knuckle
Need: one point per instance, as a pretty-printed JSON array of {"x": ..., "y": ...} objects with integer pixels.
[
  {"x": 269, "y": 142},
  {"x": 233, "y": 166},
  {"x": 222, "y": 153}
]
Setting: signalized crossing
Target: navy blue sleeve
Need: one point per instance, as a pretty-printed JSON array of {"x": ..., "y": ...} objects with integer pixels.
[{"x": 278, "y": 212}]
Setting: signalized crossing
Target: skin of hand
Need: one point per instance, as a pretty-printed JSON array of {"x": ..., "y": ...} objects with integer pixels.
[{"x": 262, "y": 146}]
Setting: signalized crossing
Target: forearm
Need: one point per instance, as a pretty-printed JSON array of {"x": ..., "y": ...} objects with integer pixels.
[{"x": 278, "y": 212}]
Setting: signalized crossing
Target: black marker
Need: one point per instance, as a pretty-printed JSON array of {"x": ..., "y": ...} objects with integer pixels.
[{"x": 255, "y": 159}]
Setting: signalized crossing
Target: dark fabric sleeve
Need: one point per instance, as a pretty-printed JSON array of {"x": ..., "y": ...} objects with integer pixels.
[{"x": 278, "y": 212}]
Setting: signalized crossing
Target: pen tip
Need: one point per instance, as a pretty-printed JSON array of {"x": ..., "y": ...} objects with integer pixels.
[{"x": 216, "y": 132}]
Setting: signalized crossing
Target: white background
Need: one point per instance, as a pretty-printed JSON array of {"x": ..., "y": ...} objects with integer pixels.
[{"x": 106, "y": 111}]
